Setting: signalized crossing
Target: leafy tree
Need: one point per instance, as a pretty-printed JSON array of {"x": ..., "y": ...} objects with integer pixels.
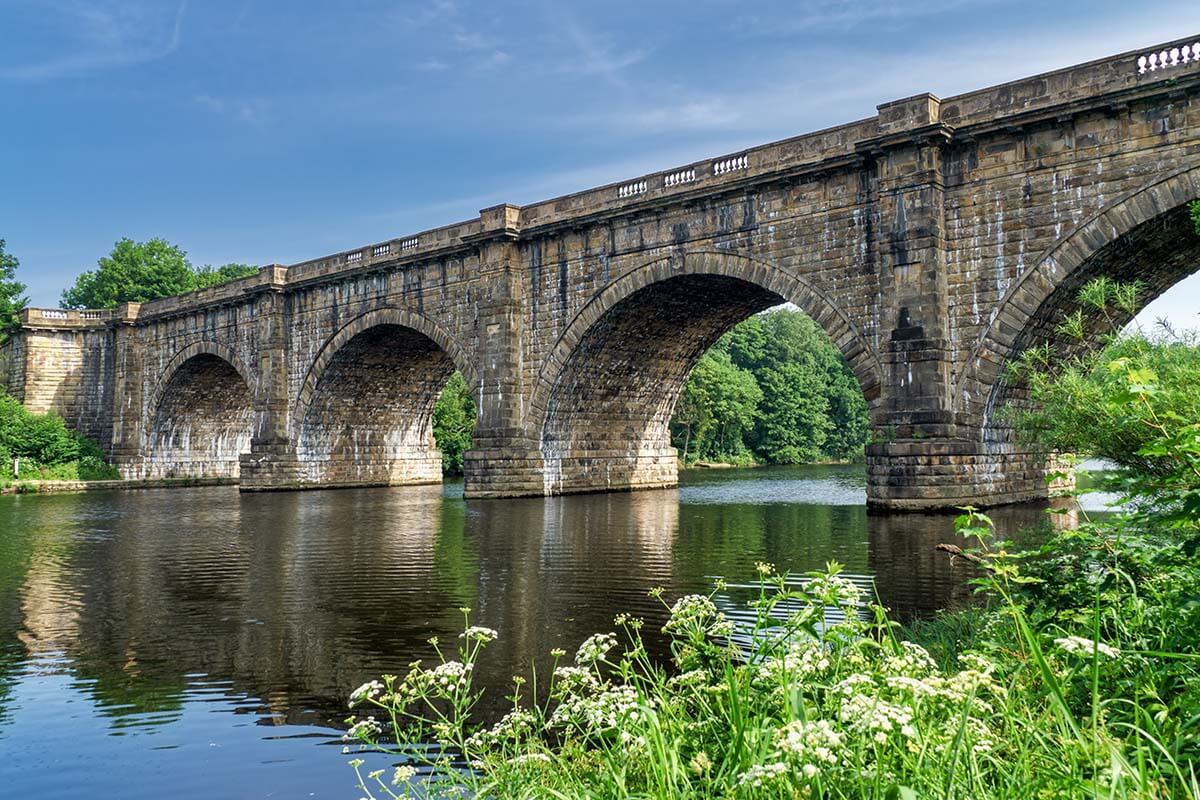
[
  {"x": 453, "y": 423},
  {"x": 717, "y": 408},
  {"x": 137, "y": 272},
  {"x": 795, "y": 420},
  {"x": 12, "y": 292},
  {"x": 1131, "y": 402},
  {"x": 807, "y": 407},
  {"x": 134, "y": 272},
  {"x": 208, "y": 276}
]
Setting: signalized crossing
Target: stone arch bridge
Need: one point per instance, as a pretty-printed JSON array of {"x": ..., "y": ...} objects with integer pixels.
[{"x": 933, "y": 242}]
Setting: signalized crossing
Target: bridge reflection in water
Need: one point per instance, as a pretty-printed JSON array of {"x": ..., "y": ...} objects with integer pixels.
[{"x": 173, "y": 619}]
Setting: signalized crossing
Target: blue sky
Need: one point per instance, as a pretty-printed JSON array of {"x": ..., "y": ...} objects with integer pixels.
[{"x": 273, "y": 132}]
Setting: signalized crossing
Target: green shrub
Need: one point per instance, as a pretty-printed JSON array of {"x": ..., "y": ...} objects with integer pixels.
[{"x": 46, "y": 447}]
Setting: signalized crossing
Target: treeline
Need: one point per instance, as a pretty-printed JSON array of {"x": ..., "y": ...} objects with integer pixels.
[{"x": 773, "y": 390}]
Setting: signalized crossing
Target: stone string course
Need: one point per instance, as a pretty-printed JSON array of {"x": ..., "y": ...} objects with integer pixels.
[{"x": 933, "y": 242}]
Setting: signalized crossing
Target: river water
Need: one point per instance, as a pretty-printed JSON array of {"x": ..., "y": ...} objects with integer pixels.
[{"x": 200, "y": 643}]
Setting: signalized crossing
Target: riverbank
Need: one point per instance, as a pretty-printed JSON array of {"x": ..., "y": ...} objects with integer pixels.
[
  {"x": 72, "y": 487},
  {"x": 699, "y": 465}
]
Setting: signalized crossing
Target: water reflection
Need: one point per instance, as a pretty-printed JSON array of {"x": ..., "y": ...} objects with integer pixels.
[{"x": 180, "y": 623}]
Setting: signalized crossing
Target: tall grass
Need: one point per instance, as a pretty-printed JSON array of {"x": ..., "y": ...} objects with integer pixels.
[{"x": 843, "y": 710}]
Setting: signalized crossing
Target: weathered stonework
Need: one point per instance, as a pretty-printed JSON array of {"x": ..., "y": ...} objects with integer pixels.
[{"x": 933, "y": 242}]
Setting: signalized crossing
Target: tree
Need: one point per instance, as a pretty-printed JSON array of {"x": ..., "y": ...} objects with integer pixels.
[
  {"x": 453, "y": 423},
  {"x": 717, "y": 408},
  {"x": 134, "y": 272},
  {"x": 775, "y": 386},
  {"x": 208, "y": 276},
  {"x": 12, "y": 292},
  {"x": 137, "y": 272}
]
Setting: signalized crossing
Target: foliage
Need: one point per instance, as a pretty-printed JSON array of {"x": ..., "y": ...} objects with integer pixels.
[
  {"x": 774, "y": 389},
  {"x": 1132, "y": 402},
  {"x": 818, "y": 704},
  {"x": 47, "y": 449},
  {"x": 717, "y": 409},
  {"x": 12, "y": 292},
  {"x": 137, "y": 272},
  {"x": 453, "y": 423},
  {"x": 209, "y": 276}
]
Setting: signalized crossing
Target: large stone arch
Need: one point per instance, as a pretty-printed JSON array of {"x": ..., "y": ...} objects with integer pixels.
[
  {"x": 607, "y": 388},
  {"x": 1145, "y": 235},
  {"x": 200, "y": 416},
  {"x": 389, "y": 315},
  {"x": 363, "y": 414},
  {"x": 791, "y": 288}
]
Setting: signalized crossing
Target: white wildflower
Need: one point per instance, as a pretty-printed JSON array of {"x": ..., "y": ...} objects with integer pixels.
[
  {"x": 530, "y": 758},
  {"x": 364, "y": 728},
  {"x": 368, "y": 691},
  {"x": 1078, "y": 645},
  {"x": 761, "y": 774},
  {"x": 595, "y": 648},
  {"x": 478, "y": 633},
  {"x": 814, "y": 743},
  {"x": 449, "y": 677},
  {"x": 403, "y": 774}
]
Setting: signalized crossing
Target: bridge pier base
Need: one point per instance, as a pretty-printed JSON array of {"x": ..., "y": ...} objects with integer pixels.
[
  {"x": 530, "y": 472},
  {"x": 922, "y": 475},
  {"x": 279, "y": 468}
]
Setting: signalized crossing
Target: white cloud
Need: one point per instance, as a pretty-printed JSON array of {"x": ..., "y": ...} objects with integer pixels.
[{"x": 105, "y": 36}]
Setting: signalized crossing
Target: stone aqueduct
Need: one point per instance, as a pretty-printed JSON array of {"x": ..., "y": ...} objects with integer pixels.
[{"x": 933, "y": 242}]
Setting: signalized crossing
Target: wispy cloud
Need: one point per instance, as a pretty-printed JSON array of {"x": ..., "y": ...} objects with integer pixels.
[
  {"x": 105, "y": 36},
  {"x": 591, "y": 53},
  {"x": 841, "y": 15},
  {"x": 248, "y": 111}
]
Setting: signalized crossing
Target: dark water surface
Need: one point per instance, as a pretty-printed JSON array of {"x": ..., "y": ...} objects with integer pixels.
[{"x": 200, "y": 643}]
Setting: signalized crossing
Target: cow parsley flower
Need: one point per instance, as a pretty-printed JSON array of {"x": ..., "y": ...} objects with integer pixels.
[
  {"x": 478, "y": 633},
  {"x": 368, "y": 691},
  {"x": 595, "y": 648},
  {"x": 762, "y": 774},
  {"x": 1077, "y": 645}
]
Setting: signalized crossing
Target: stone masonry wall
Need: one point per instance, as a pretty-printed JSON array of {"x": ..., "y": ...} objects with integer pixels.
[{"x": 932, "y": 242}]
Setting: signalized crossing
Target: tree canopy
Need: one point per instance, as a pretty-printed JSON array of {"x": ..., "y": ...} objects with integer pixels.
[
  {"x": 12, "y": 292},
  {"x": 137, "y": 272},
  {"x": 773, "y": 389}
]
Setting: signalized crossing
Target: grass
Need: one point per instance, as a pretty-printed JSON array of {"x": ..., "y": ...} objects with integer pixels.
[{"x": 988, "y": 703}]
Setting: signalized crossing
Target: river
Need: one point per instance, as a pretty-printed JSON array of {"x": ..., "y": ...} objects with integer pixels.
[{"x": 200, "y": 643}]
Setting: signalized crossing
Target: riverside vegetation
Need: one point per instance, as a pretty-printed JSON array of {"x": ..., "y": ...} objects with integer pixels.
[
  {"x": 1077, "y": 674},
  {"x": 42, "y": 447}
]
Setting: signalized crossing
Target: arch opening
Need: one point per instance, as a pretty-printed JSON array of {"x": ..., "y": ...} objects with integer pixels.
[
  {"x": 369, "y": 419},
  {"x": 203, "y": 423},
  {"x": 606, "y": 421},
  {"x": 1157, "y": 253}
]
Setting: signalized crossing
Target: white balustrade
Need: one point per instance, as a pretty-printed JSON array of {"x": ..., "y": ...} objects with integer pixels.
[
  {"x": 1165, "y": 59},
  {"x": 682, "y": 176},
  {"x": 632, "y": 189},
  {"x": 726, "y": 165}
]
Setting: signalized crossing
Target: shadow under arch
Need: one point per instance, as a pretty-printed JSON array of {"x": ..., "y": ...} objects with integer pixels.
[
  {"x": 201, "y": 415},
  {"x": 604, "y": 397},
  {"x": 1147, "y": 235},
  {"x": 364, "y": 414}
]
